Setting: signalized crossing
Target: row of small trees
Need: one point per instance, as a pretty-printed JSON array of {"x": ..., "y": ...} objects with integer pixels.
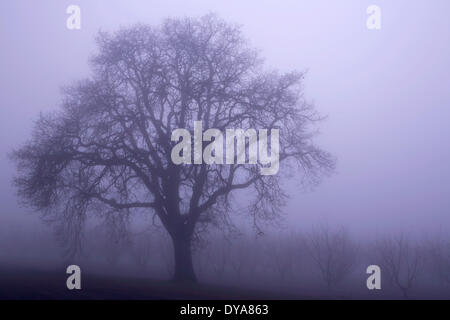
[{"x": 326, "y": 255}]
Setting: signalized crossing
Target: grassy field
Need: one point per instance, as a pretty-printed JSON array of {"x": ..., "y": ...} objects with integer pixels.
[{"x": 19, "y": 283}]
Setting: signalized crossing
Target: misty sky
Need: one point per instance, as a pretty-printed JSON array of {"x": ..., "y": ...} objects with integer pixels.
[{"x": 386, "y": 93}]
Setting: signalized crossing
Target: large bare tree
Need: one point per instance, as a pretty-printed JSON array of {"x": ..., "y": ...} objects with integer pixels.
[{"x": 108, "y": 151}]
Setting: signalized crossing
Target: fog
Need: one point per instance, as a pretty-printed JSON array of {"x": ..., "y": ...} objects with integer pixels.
[{"x": 384, "y": 92}]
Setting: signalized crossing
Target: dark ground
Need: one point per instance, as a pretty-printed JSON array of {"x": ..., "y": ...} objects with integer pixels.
[{"x": 20, "y": 283}]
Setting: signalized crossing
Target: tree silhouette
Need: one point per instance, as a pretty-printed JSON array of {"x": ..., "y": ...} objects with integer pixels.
[
  {"x": 333, "y": 253},
  {"x": 402, "y": 260},
  {"x": 108, "y": 151}
]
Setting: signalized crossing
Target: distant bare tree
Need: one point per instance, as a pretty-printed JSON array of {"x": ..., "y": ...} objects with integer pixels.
[
  {"x": 108, "y": 151},
  {"x": 282, "y": 255},
  {"x": 114, "y": 238},
  {"x": 166, "y": 250},
  {"x": 402, "y": 261},
  {"x": 219, "y": 256},
  {"x": 333, "y": 252},
  {"x": 142, "y": 252},
  {"x": 239, "y": 258},
  {"x": 439, "y": 254}
]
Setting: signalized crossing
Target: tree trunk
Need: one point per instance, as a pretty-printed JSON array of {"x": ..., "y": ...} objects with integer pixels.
[{"x": 184, "y": 269}]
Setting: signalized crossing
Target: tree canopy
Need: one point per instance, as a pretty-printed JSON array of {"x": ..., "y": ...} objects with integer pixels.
[{"x": 107, "y": 152}]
